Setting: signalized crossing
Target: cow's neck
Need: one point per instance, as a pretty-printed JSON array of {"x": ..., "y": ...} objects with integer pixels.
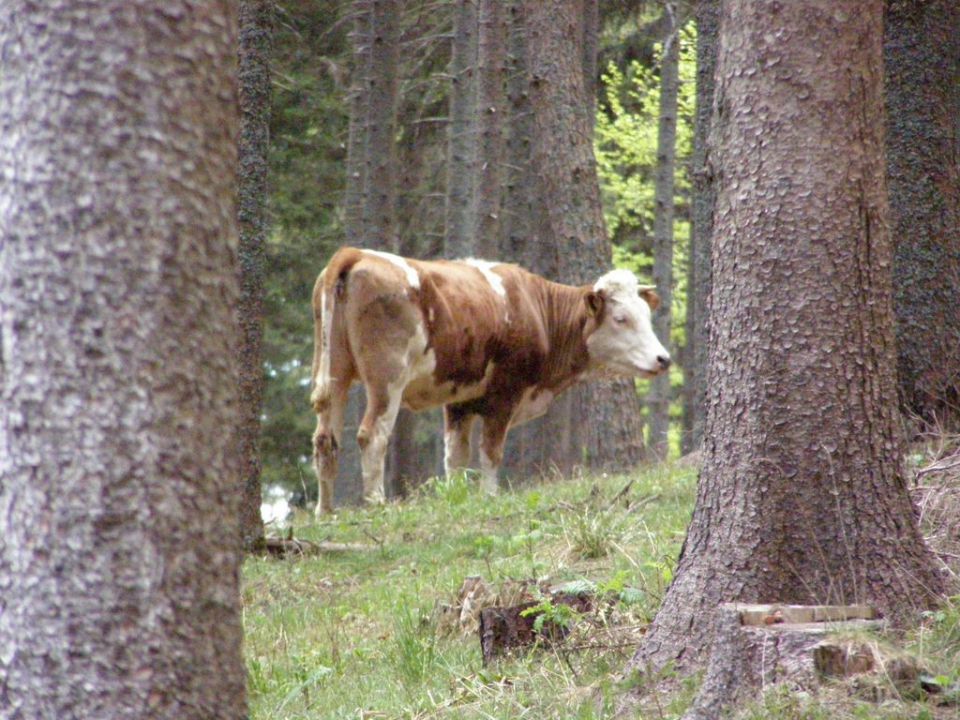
[{"x": 565, "y": 312}]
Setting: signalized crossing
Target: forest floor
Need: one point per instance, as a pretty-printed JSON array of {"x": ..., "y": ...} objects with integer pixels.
[{"x": 379, "y": 624}]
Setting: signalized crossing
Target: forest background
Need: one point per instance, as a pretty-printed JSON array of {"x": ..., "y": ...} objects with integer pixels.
[{"x": 309, "y": 125}]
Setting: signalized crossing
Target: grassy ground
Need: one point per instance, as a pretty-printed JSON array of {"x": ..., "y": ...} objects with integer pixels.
[{"x": 362, "y": 633}]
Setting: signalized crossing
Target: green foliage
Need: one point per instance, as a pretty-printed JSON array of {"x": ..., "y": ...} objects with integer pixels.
[
  {"x": 343, "y": 634},
  {"x": 415, "y": 644},
  {"x": 546, "y": 611}
]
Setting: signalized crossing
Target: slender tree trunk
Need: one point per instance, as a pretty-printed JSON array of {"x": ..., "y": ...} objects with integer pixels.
[
  {"x": 491, "y": 109},
  {"x": 380, "y": 189},
  {"x": 607, "y": 413},
  {"x": 461, "y": 160},
  {"x": 256, "y": 21},
  {"x": 120, "y": 557},
  {"x": 701, "y": 230},
  {"x": 922, "y": 51},
  {"x": 361, "y": 12},
  {"x": 801, "y": 497},
  {"x": 660, "y": 394}
]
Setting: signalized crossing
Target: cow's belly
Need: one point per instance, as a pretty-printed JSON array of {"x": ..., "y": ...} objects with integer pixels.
[{"x": 423, "y": 391}]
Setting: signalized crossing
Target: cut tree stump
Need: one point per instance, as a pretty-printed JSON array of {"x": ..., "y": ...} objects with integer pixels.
[
  {"x": 756, "y": 646},
  {"x": 503, "y": 629}
]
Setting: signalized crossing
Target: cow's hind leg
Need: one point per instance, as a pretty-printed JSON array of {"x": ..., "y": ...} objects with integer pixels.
[
  {"x": 457, "y": 424},
  {"x": 326, "y": 443},
  {"x": 383, "y": 404}
]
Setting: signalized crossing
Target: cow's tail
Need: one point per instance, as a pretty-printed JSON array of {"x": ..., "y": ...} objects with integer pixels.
[
  {"x": 323, "y": 307},
  {"x": 329, "y": 297}
]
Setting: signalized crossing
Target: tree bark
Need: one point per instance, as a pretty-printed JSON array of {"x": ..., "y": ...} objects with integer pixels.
[
  {"x": 491, "y": 109},
  {"x": 256, "y": 21},
  {"x": 590, "y": 45},
  {"x": 570, "y": 192},
  {"x": 380, "y": 187},
  {"x": 358, "y": 101},
  {"x": 801, "y": 497},
  {"x": 119, "y": 564},
  {"x": 659, "y": 400},
  {"x": 461, "y": 160},
  {"x": 922, "y": 53},
  {"x": 701, "y": 231}
]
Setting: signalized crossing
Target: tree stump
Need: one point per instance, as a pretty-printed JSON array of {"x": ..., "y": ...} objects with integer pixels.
[{"x": 756, "y": 646}]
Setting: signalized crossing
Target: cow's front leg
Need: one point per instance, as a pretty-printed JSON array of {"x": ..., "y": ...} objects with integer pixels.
[
  {"x": 457, "y": 424},
  {"x": 491, "y": 449},
  {"x": 329, "y": 406},
  {"x": 373, "y": 436}
]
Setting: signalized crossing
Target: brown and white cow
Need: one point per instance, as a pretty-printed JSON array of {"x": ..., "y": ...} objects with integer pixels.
[{"x": 483, "y": 339}]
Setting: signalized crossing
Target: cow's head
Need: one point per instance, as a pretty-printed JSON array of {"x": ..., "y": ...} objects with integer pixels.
[{"x": 620, "y": 338}]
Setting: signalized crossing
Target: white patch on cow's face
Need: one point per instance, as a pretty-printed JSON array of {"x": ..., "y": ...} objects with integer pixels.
[
  {"x": 486, "y": 267},
  {"x": 401, "y": 263},
  {"x": 624, "y": 343}
]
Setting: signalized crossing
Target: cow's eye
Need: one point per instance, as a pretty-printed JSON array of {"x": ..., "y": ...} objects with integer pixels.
[{"x": 620, "y": 319}]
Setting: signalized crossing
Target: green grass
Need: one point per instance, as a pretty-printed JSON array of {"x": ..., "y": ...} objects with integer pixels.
[
  {"x": 356, "y": 634},
  {"x": 360, "y": 633}
]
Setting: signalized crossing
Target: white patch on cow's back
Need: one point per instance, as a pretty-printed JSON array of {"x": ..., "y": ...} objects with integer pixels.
[
  {"x": 486, "y": 268},
  {"x": 412, "y": 277}
]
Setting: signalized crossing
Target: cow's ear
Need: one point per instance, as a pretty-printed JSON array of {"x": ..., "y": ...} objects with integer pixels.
[
  {"x": 650, "y": 295},
  {"x": 594, "y": 301}
]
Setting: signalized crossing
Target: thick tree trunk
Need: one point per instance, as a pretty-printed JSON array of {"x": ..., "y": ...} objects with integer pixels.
[
  {"x": 801, "y": 497},
  {"x": 701, "y": 230},
  {"x": 491, "y": 109},
  {"x": 118, "y": 282},
  {"x": 256, "y": 21},
  {"x": 590, "y": 46},
  {"x": 922, "y": 52},
  {"x": 462, "y": 146},
  {"x": 660, "y": 394},
  {"x": 570, "y": 192}
]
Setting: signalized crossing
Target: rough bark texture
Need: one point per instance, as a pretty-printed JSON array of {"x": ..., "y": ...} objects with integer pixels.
[
  {"x": 606, "y": 431},
  {"x": 801, "y": 497},
  {"x": 118, "y": 283},
  {"x": 380, "y": 184},
  {"x": 922, "y": 53},
  {"x": 256, "y": 21},
  {"x": 516, "y": 235},
  {"x": 701, "y": 231},
  {"x": 358, "y": 101},
  {"x": 461, "y": 160},
  {"x": 591, "y": 44},
  {"x": 491, "y": 109},
  {"x": 659, "y": 400}
]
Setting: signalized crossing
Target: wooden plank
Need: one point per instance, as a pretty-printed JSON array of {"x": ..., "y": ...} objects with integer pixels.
[{"x": 776, "y": 614}]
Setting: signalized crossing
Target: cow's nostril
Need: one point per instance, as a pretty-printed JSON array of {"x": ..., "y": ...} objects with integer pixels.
[{"x": 664, "y": 361}]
